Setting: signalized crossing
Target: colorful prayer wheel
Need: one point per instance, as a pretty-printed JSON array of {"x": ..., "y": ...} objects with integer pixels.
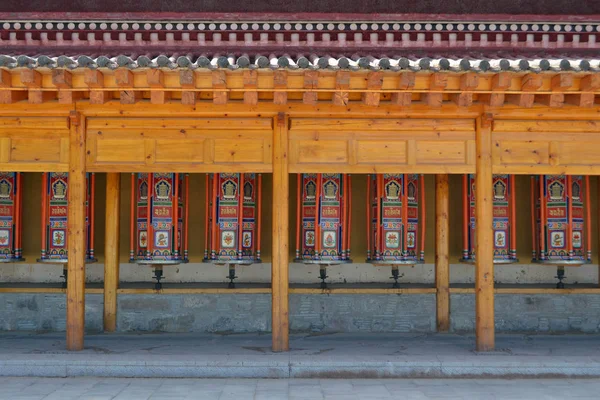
[
  {"x": 233, "y": 220},
  {"x": 11, "y": 211},
  {"x": 561, "y": 221},
  {"x": 157, "y": 200},
  {"x": 395, "y": 220},
  {"x": 504, "y": 220},
  {"x": 323, "y": 220},
  {"x": 55, "y": 211}
]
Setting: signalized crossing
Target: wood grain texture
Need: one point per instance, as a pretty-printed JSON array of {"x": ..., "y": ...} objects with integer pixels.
[
  {"x": 442, "y": 240},
  {"x": 484, "y": 238},
  {"x": 111, "y": 250},
  {"x": 280, "y": 257},
  {"x": 76, "y": 235}
]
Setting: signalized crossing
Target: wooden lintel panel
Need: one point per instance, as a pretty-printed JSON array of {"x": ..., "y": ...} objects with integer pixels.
[
  {"x": 151, "y": 144},
  {"x": 432, "y": 99}
]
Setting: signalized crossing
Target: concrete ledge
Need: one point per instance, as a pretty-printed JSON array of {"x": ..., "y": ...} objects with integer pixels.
[{"x": 311, "y": 356}]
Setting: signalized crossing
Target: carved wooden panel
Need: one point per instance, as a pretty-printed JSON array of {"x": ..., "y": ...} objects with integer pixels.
[
  {"x": 546, "y": 147},
  {"x": 179, "y": 145},
  {"x": 32, "y": 144},
  {"x": 382, "y": 145}
]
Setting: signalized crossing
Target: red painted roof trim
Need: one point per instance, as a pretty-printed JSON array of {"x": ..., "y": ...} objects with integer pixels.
[{"x": 166, "y": 16}]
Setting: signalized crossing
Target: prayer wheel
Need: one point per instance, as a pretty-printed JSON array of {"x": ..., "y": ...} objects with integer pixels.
[
  {"x": 396, "y": 220},
  {"x": 561, "y": 221},
  {"x": 55, "y": 211},
  {"x": 11, "y": 211},
  {"x": 233, "y": 220},
  {"x": 504, "y": 220},
  {"x": 323, "y": 220},
  {"x": 159, "y": 220}
]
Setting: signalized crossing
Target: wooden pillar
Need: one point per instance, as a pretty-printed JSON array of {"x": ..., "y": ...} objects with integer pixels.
[
  {"x": 442, "y": 266},
  {"x": 76, "y": 234},
  {"x": 484, "y": 237},
  {"x": 280, "y": 265},
  {"x": 111, "y": 250}
]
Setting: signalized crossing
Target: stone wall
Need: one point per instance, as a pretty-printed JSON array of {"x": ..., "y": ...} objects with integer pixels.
[{"x": 308, "y": 313}]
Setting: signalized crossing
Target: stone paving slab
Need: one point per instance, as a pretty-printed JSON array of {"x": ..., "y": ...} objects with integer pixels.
[{"x": 311, "y": 356}]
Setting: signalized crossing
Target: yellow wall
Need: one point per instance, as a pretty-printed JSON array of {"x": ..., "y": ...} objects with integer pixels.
[{"x": 32, "y": 224}]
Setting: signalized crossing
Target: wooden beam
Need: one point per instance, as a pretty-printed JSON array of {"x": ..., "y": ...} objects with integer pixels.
[
  {"x": 468, "y": 82},
  {"x": 342, "y": 84},
  {"x": 125, "y": 80},
  {"x": 280, "y": 258},
  {"x": 590, "y": 83},
  {"x": 500, "y": 82},
  {"x": 156, "y": 80},
  {"x": 76, "y": 234},
  {"x": 374, "y": 83},
  {"x": 559, "y": 83},
  {"x": 484, "y": 237},
  {"x": 219, "y": 81},
  {"x": 94, "y": 79},
  {"x": 187, "y": 80},
  {"x": 111, "y": 250},
  {"x": 250, "y": 86},
  {"x": 311, "y": 82},
  {"x": 406, "y": 81},
  {"x": 583, "y": 100},
  {"x": 529, "y": 83},
  {"x": 442, "y": 240},
  {"x": 280, "y": 82},
  {"x": 437, "y": 81},
  {"x": 63, "y": 80},
  {"x": 32, "y": 79},
  {"x": 9, "y": 96}
]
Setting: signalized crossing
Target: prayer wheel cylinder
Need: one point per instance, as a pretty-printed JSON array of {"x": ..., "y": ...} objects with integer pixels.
[
  {"x": 504, "y": 220},
  {"x": 11, "y": 211},
  {"x": 159, "y": 199},
  {"x": 323, "y": 219},
  {"x": 233, "y": 217},
  {"x": 55, "y": 211},
  {"x": 561, "y": 218},
  {"x": 396, "y": 219}
]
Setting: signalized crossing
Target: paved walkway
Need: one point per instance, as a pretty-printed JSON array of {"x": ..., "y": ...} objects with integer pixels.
[
  {"x": 301, "y": 389},
  {"x": 311, "y": 356}
]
